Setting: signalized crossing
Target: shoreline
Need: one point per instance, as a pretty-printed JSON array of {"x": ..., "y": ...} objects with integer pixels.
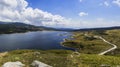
[
  {"x": 73, "y": 49},
  {"x": 69, "y": 37}
]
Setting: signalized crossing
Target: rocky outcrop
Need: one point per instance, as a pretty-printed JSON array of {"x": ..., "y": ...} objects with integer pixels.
[{"x": 19, "y": 64}]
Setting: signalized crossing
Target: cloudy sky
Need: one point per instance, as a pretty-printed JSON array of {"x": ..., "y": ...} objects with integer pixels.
[{"x": 62, "y": 13}]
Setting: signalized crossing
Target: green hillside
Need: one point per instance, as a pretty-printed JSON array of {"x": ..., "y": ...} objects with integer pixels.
[
  {"x": 85, "y": 44},
  {"x": 60, "y": 58}
]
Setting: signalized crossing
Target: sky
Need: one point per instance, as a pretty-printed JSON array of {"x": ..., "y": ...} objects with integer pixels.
[{"x": 62, "y": 13}]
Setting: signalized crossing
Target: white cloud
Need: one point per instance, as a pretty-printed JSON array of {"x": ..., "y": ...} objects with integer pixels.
[
  {"x": 83, "y": 14},
  {"x": 106, "y": 3},
  {"x": 19, "y": 11},
  {"x": 117, "y": 2}
]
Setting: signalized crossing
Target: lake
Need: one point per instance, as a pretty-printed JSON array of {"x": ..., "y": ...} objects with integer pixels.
[{"x": 42, "y": 40}]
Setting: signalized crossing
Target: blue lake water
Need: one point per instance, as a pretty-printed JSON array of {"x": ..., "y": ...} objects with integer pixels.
[{"x": 42, "y": 40}]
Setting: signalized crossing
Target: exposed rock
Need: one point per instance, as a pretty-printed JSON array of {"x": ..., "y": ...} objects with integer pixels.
[
  {"x": 76, "y": 53},
  {"x": 39, "y": 64},
  {"x": 3, "y": 54},
  {"x": 13, "y": 64},
  {"x": 105, "y": 65},
  {"x": 37, "y": 53}
]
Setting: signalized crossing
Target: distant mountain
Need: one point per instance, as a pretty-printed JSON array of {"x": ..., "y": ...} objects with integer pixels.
[
  {"x": 56, "y": 29},
  {"x": 15, "y": 23},
  {"x": 84, "y": 29},
  {"x": 13, "y": 27},
  {"x": 16, "y": 27},
  {"x": 102, "y": 28},
  {"x": 19, "y": 24},
  {"x": 3, "y": 22}
]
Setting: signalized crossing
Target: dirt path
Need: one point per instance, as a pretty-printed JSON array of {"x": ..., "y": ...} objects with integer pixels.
[{"x": 104, "y": 52}]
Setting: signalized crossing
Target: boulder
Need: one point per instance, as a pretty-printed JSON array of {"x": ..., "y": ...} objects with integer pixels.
[
  {"x": 13, "y": 64},
  {"x": 39, "y": 64}
]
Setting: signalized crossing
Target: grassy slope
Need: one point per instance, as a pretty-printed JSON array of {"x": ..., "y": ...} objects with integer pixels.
[
  {"x": 114, "y": 37},
  {"x": 59, "y": 58},
  {"x": 88, "y": 45},
  {"x": 55, "y": 58},
  {"x": 88, "y": 60}
]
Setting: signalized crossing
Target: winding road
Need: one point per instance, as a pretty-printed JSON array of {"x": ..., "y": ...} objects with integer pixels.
[{"x": 106, "y": 51}]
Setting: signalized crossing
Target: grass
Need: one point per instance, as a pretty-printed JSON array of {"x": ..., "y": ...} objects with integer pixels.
[
  {"x": 55, "y": 58},
  {"x": 87, "y": 45},
  {"x": 112, "y": 36},
  {"x": 60, "y": 58},
  {"x": 88, "y": 60}
]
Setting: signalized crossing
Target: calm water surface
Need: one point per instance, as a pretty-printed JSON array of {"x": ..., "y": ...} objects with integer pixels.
[{"x": 43, "y": 40}]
